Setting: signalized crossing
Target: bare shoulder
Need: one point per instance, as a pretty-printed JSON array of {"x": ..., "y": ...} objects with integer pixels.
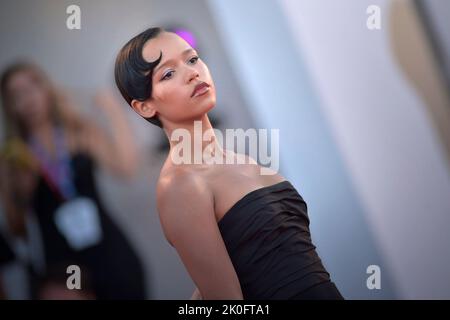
[
  {"x": 241, "y": 157},
  {"x": 272, "y": 176},
  {"x": 183, "y": 197},
  {"x": 179, "y": 183},
  {"x": 186, "y": 212}
]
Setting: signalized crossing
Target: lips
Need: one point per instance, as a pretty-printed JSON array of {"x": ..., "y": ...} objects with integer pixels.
[{"x": 199, "y": 87}]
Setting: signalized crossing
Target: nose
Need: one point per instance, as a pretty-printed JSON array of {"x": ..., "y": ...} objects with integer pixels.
[{"x": 192, "y": 74}]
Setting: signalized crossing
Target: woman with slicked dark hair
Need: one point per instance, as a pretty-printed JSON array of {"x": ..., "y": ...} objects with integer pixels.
[{"x": 239, "y": 233}]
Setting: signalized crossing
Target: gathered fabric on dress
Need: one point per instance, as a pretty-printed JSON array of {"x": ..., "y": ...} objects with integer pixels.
[{"x": 268, "y": 239}]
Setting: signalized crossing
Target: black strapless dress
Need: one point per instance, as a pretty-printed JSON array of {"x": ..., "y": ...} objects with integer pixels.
[{"x": 268, "y": 239}]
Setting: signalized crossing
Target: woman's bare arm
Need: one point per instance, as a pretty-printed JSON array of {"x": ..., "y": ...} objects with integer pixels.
[
  {"x": 119, "y": 152},
  {"x": 186, "y": 209}
]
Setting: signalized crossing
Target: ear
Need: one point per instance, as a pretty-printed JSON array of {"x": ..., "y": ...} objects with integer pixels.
[{"x": 145, "y": 109}]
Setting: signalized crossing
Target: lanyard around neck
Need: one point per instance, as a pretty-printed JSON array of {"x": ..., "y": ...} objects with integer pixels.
[{"x": 56, "y": 171}]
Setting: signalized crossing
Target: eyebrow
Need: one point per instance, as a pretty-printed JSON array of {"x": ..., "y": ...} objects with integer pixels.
[{"x": 170, "y": 60}]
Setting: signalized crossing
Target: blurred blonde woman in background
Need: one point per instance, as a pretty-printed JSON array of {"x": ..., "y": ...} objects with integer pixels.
[{"x": 47, "y": 170}]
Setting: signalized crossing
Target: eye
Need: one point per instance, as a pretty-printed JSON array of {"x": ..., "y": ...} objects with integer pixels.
[
  {"x": 168, "y": 75},
  {"x": 193, "y": 59}
]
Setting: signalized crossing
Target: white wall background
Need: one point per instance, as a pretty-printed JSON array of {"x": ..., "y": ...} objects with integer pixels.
[{"x": 382, "y": 130}]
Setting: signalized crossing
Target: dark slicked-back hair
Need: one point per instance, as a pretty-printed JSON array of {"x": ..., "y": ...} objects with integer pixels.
[{"x": 133, "y": 74}]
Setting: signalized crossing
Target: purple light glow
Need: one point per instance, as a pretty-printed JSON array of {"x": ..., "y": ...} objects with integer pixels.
[{"x": 187, "y": 36}]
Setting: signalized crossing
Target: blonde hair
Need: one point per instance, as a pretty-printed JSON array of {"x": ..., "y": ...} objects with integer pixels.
[{"x": 60, "y": 114}]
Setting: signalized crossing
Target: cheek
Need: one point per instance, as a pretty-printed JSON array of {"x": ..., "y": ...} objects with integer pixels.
[
  {"x": 204, "y": 71},
  {"x": 171, "y": 95},
  {"x": 42, "y": 99},
  {"x": 40, "y": 103}
]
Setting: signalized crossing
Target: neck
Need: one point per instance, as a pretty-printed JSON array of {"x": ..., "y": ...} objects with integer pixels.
[
  {"x": 201, "y": 140},
  {"x": 43, "y": 133},
  {"x": 42, "y": 129}
]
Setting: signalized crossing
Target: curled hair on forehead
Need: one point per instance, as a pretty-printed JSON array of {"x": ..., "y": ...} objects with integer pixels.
[{"x": 133, "y": 74}]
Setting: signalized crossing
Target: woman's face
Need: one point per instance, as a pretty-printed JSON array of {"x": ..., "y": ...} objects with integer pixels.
[
  {"x": 175, "y": 78},
  {"x": 29, "y": 98}
]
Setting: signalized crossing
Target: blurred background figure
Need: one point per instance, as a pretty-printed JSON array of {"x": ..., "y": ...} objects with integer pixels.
[
  {"x": 53, "y": 286},
  {"x": 6, "y": 256},
  {"x": 47, "y": 174}
]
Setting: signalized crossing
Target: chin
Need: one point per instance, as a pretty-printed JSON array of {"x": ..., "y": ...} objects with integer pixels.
[
  {"x": 205, "y": 105},
  {"x": 210, "y": 105}
]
